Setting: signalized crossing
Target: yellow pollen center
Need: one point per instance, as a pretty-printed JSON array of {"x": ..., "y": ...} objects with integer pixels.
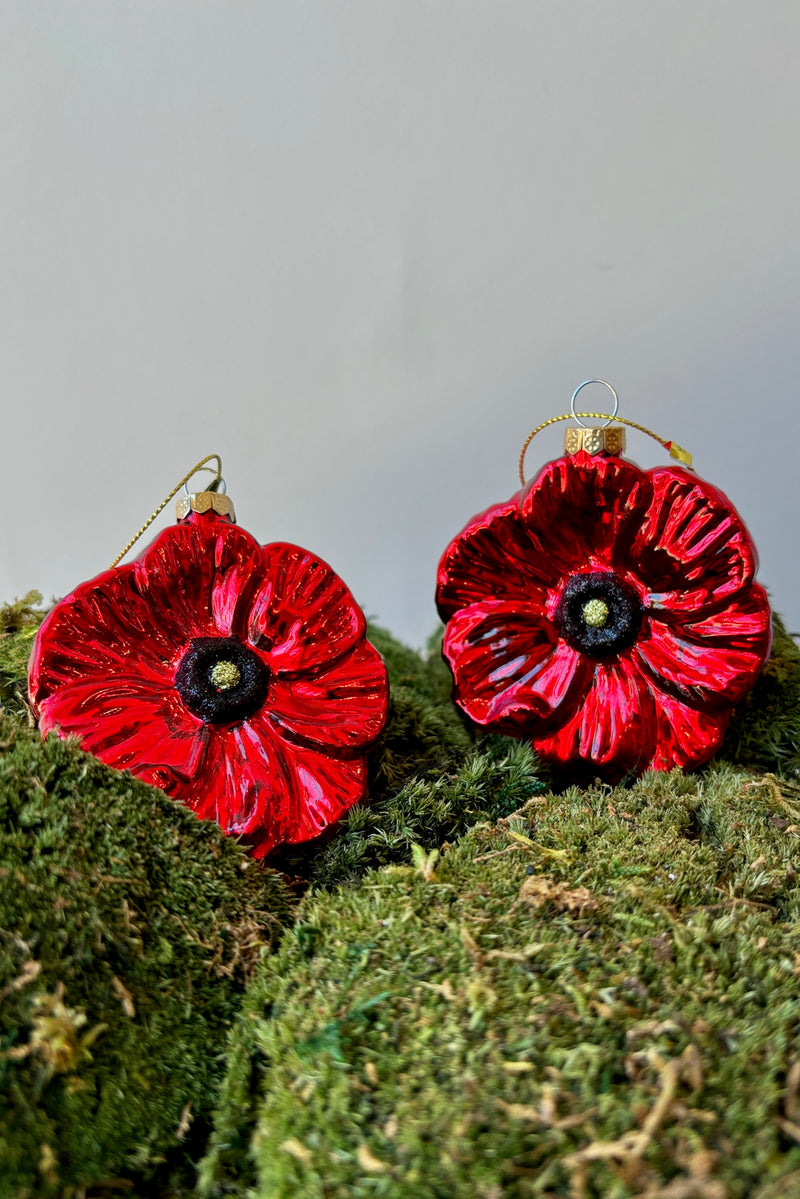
[
  {"x": 595, "y": 612},
  {"x": 225, "y": 675}
]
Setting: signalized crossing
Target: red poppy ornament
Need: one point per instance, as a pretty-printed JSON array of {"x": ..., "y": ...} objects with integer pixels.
[
  {"x": 608, "y": 614},
  {"x": 236, "y": 677}
]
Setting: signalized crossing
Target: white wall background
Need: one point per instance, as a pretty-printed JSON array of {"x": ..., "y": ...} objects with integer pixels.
[{"x": 362, "y": 247}]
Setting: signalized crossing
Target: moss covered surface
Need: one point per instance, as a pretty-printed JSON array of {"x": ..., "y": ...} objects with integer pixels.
[
  {"x": 18, "y": 624},
  {"x": 485, "y": 782},
  {"x": 597, "y": 996},
  {"x": 128, "y": 930},
  {"x": 593, "y": 997},
  {"x": 765, "y": 731}
]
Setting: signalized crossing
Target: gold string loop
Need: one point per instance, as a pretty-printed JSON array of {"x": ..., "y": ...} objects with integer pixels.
[
  {"x": 672, "y": 447},
  {"x": 200, "y": 466}
]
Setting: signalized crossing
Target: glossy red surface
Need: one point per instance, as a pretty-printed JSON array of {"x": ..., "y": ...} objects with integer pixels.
[
  {"x": 106, "y": 658},
  {"x": 699, "y": 641}
]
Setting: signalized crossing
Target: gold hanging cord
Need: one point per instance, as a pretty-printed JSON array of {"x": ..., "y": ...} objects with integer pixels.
[
  {"x": 673, "y": 449},
  {"x": 200, "y": 466}
]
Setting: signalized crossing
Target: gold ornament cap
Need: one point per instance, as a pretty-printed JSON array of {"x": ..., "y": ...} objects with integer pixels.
[
  {"x": 595, "y": 440},
  {"x": 205, "y": 501}
]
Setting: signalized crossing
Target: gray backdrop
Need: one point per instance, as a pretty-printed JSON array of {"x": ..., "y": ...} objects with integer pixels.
[{"x": 362, "y": 247}]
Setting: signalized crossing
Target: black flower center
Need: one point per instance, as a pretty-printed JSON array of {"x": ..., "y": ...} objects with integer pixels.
[
  {"x": 599, "y": 613},
  {"x": 221, "y": 680}
]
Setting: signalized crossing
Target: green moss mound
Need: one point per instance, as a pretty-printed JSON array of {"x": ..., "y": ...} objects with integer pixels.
[
  {"x": 486, "y": 782},
  {"x": 128, "y": 930},
  {"x": 596, "y": 997},
  {"x": 765, "y": 731},
  {"x": 18, "y": 624}
]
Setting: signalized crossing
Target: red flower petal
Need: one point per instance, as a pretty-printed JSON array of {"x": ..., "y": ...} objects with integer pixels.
[
  {"x": 510, "y": 671},
  {"x": 745, "y": 623},
  {"x": 686, "y": 737},
  {"x": 584, "y": 511},
  {"x": 130, "y": 725},
  {"x": 492, "y": 559},
  {"x": 614, "y": 730},
  {"x": 342, "y": 708},
  {"x": 102, "y": 630},
  {"x": 710, "y": 663},
  {"x": 691, "y": 551},
  {"x": 302, "y": 614},
  {"x": 199, "y": 578},
  {"x": 272, "y": 793}
]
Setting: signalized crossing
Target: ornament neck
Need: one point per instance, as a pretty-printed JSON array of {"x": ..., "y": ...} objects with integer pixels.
[
  {"x": 597, "y": 440},
  {"x": 205, "y": 501}
]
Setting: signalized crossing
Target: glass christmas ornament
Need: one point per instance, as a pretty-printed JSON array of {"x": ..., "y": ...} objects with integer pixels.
[
  {"x": 606, "y": 613},
  {"x": 236, "y": 677}
]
